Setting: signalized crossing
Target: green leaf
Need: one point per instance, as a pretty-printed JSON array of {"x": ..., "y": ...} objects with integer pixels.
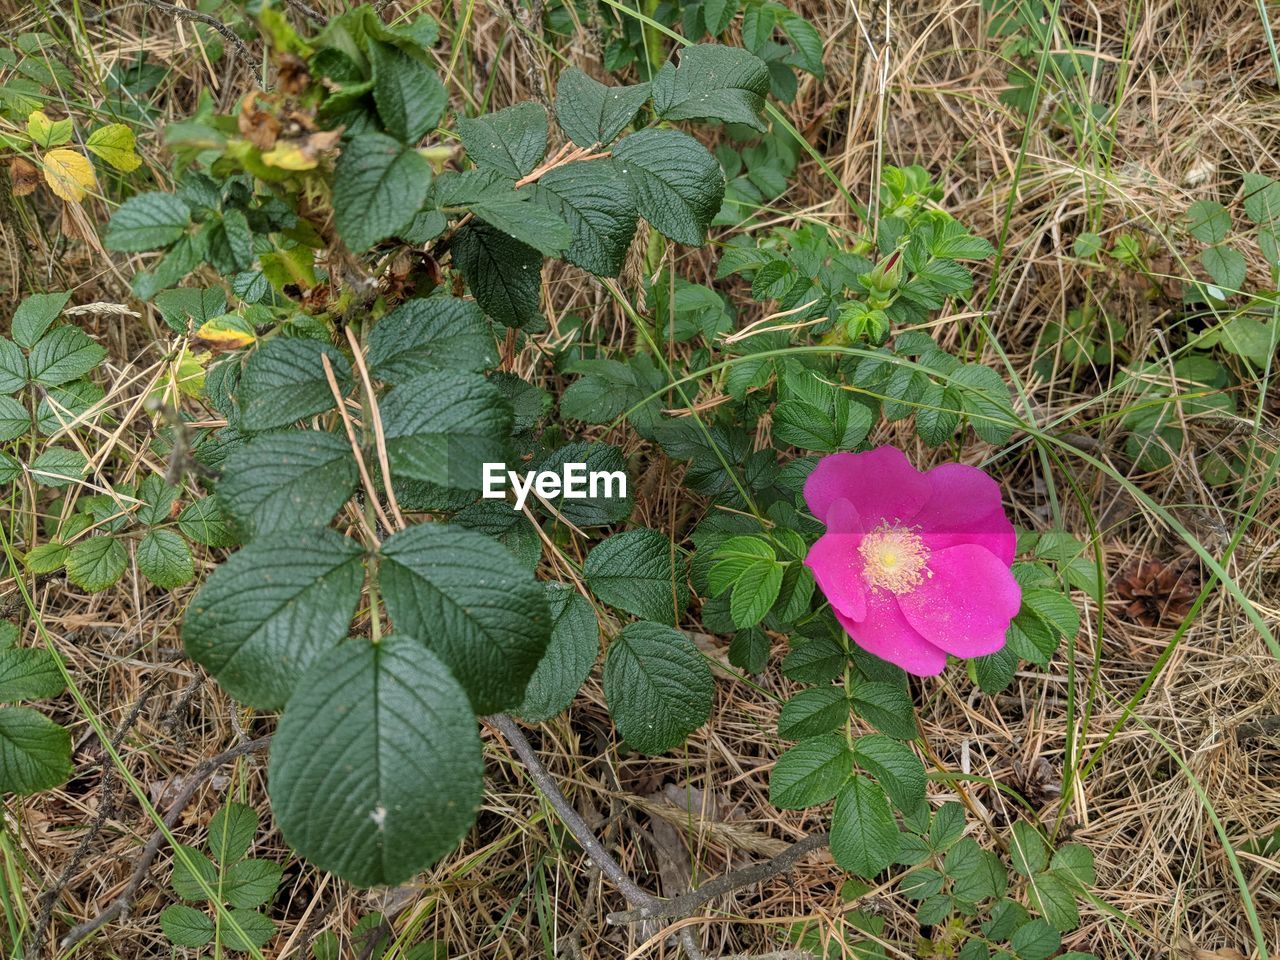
[
  {"x": 639, "y": 571},
  {"x": 114, "y": 143},
  {"x": 251, "y": 883},
  {"x": 58, "y": 467},
  {"x": 1261, "y": 199},
  {"x": 713, "y": 82},
  {"x": 591, "y": 113},
  {"x": 68, "y": 406},
  {"x": 15, "y": 420},
  {"x": 409, "y": 96},
  {"x": 35, "y": 315},
  {"x": 157, "y": 499},
  {"x": 976, "y": 874},
  {"x": 658, "y": 686},
  {"x": 186, "y": 926},
  {"x": 164, "y": 559},
  {"x": 749, "y": 650},
  {"x": 921, "y": 884},
  {"x": 811, "y": 772},
  {"x": 35, "y": 753},
  {"x": 1035, "y": 941},
  {"x": 804, "y": 425},
  {"x": 1086, "y": 245},
  {"x": 594, "y": 201},
  {"x": 898, "y": 770},
  {"x": 602, "y": 506},
  {"x": 376, "y": 766},
  {"x": 535, "y": 225},
  {"x": 575, "y": 642},
  {"x": 1226, "y": 266},
  {"x": 27, "y": 674},
  {"x": 442, "y": 428},
  {"x": 190, "y": 306},
  {"x": 473, "y": 604},
  {"x": 1208, "y": 221},
  {"x": 272, "y": 609},
  {"x": 287, "y": 481},
  {"x": 509, "y": 141},
  {"x": 815, "y": 661},
  {"x": 675, "y": 183},
  {"x": 754, "y": 594},
  {"x": 13, "y": 366},
  {"x": 504, "y": 274},
  {"x": 1075, "y": 862},
  {"x": 284, "y": 381},
  {"x": 864, "y": 835},
  {"x": 65, "y": 353},
  {"x": 378, "y": 185},
  {"x": 204, "y": 522},
  {"x": 985, "y": 398},
  {"x": 947, "y": 826},
  {"x": 147, "y": 221},
  {"x": 1027, "y": 851},
  {"x": 1055, "y": 897},
  {"x": 246, "y": 929},
  {"x": 96, "y": 563},
  {"x": 1006, "y": 917},
  {"x": 231, "y": 831},
  {"x": 886, "y": 707},
  {"x": 432, "y": 335},
  {"x": 45, "y": 558},
  {"x": 813, "y": 712}
]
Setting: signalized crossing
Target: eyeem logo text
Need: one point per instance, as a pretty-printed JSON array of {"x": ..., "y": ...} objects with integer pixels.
[{"x": 573, "y": 482}]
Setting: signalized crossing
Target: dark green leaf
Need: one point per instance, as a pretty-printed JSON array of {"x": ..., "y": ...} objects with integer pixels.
[
  {"x": 272, "y": 609},
  {"x": 35, "y": 753},
  {"x": 1035, "y": 941},
  {"x": 96, "y": 563},
  {"x": 470, "y": 601},
  {"x": 509, "y": 141},
  {"x": 603, "y": 504},
  {"x": 284, "y": 381},
  {"x": 641, "y": 572},
  {"x": 164, "y": 559},
  {"x": 409, "y": 96},
  {"x": 27, "y": 674},
  {"x": 147, "y": 221},
  {"x": 35, "y": 314},
  {"x": 658, "y": 686},
  {"x": 591, "y": 113},
  {"x": 428, "y": 336},
  {"x": 675, "y": 183},
  {"x": 378, "y": 185},
  {"x": 186, "y": 926},
  {"x": 813, "y": 712},
  {"x": 251, "y": 883},
  {"x": 864, "y": 835},
  {"x": 713, "y": 82},
  {"x": 898, "y": 770},
  {"x": 575, "y": 642},
  {"x": 811, "y": 772},
  {"x": 231, "y": 831},
  {"x": 594, "y": 201},
  {"x": 65, "y": 353},
  {"x": 504, "y": 274},
  {"x": 376, "y": 766},
  {"x": 887, "y": 708}
]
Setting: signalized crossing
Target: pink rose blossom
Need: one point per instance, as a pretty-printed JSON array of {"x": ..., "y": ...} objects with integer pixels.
[{"x": 916, "y": 565}]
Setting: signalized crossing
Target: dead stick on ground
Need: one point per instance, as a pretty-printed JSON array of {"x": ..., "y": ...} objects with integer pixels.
[{"x": 194, "y": 780}]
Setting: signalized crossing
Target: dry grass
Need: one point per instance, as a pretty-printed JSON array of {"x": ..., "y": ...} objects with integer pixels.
[{"x": 1196, "y": 104}]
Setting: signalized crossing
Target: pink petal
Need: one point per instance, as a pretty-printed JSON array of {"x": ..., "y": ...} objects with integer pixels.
[
  {"x": 837, "y": 567},
  {"x": 881, "y": 484},
  {"x": 966, "y": 606},
  {"x": 842, "y": 517},
  {"x": 965, "y": 506},
  {"x": 886, "y": 634}
]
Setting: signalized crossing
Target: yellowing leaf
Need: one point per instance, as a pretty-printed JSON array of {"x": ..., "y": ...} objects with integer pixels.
[
  {"x": 227, "y": 332},
  {"x": 46, "y": 132},
  {"x": 69, "y": 174},
  {"x": 114, "y": 143}
]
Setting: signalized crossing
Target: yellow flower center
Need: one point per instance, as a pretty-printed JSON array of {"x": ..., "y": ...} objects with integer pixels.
[{"x": 894, "y": 559}]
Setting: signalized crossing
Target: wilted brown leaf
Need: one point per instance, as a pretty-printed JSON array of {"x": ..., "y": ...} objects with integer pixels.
[{"x": 24, "y": 176}]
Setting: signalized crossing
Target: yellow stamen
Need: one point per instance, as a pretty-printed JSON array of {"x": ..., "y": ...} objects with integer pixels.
[{"x": 894, "y": 559}]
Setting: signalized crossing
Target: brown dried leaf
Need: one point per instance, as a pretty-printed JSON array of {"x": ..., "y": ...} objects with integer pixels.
[{"x": 24, "y": 176}]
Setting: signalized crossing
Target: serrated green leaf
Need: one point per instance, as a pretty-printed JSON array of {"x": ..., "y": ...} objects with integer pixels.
[
  {"x": 864, "y": 835},
  {"x": 675, "y": 183},
  {"x": 272, "y": 609},
  {"x": 591, "y": 113},
  {"x": 35, "y": 314},
  {"x": 510, "y": 141},
  {"x": 749, "y": 650},
  {"x": 504, "y": 274},
  {"x": 1027, "y": 851},
  {"x": 1226, "y": 266},
  {"x": 251, "y": 883},
  {"x": 921, "y": 884},
  {"x": 1035, "y": 940},
  {"x": 602, "y": 505},
  {"x": 815, "y": 661},
  {"x": 376, "y": 766},
  {"x": 45, "y": 558},
  {"x": 571, "y": 653},
  {"x": 536, "y": 225},
  {"x": 29, "y": 674},
  {"x": 1208, "y": 221},
  {"x": 147, "y": 221},
  {"x": 378, "y": 185},
  {"x": 712, "y": 82},
  {"x": 63, "y": 354},
  {"x": 114, "y": 143},
  {"x": 193, "y": 872},
  {"x": 718, "y": 14},
  {"x": 231, "y": 830},
  {"x": 658, "y": 686},
  {"x": 473, "y": 604},
  {"x": 156, "y": 500},
  {"x": 593, "y": 199},
  {"x": 15, "y": 419},
  {"x": 1055, "y": 897},
  {"x": 287, "y": 481},
  {"x": 96, "y": 563},
  {"x": 165, "y": 560},
  {"x": 35, "y": 752},
  {"x": 887, "y": 708},
  {"x": 186, "y": 926},
  {"x": 1075, "y": 862},
  {"x": 409, "y": 96},
  {"x": 13, "y": 366},
  {"x": 442, "y": 428},
  {"x": 284, "y": 381},
  {"x": 58, "y": 467},
  {"x": 811, "y": 772},
  {"x": 946, "y": 827},
  {"x": 432, "y": 335},
  {"x": 897, "y": 769},
  {"x": 246, "y": 929},
  {"x": 204, "y": 522},
  {"x": 976, "y": 874},
  {"x": 813, "y": 712},
  {"x": 754, "y": 594},
  {"x": 641, "y": 572}
]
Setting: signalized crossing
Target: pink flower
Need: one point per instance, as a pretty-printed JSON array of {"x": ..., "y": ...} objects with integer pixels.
[{"x": 916, "y": 565}]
